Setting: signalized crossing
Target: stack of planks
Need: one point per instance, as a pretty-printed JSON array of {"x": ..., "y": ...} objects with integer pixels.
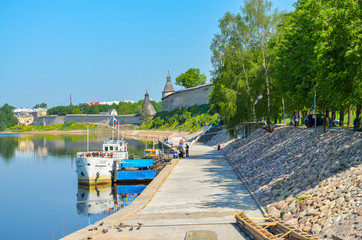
[
  {"x": 253, "y": 229},
  {"x": 283, "y": 229},
  {"x": 273, "y": 228}
]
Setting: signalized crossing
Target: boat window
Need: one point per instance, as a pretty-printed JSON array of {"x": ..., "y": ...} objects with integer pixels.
[
  {"x": 111, "y": 148},
  {"x": 116, "y": 148},
  {"x": 106, "y": 149}
]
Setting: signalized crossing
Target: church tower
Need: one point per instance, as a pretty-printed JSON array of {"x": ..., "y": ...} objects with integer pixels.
[{"x": 168, "y": 87}]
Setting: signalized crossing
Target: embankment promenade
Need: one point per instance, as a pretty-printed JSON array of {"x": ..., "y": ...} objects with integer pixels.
[{"x": 192, "y": 198}]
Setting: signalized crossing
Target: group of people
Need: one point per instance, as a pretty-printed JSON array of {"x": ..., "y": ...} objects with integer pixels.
[{"x": 182, "y": 151}]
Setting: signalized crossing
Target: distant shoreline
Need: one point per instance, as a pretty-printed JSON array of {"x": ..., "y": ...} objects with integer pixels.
[
  {"x": 135, "y": 134},
  {"x": 142, "y": 134}
]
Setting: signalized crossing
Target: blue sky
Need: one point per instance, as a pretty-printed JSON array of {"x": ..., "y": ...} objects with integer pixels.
[{"x": 103, "y": 50}]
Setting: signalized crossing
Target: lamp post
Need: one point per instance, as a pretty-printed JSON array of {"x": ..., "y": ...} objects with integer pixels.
[{"x": 256, "y": 101}]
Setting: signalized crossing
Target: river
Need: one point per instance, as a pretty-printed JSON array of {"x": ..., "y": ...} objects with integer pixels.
[{"x": 40, "y": 197}]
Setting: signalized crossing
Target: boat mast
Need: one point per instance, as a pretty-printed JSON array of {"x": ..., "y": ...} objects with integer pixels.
[
  {"x": 113, "y": 129},
  {"x": 87, "y": 138}
]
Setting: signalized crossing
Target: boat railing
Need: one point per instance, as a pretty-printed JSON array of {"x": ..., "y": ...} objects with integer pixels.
[
  {"x": 114, "y": 142},
  {"x": 112, "y": 155}
]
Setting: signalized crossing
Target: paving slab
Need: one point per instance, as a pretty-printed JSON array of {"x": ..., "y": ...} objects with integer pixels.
[{"x": 196, "y": 196}]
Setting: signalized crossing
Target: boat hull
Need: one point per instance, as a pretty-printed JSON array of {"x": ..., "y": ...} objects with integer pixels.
[{"x": 94, "y": 170}]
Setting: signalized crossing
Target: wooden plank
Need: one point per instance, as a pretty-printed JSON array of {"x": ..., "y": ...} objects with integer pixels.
[
  {"x": 285, "y": 230},
  {"x": 252, "y": 228}
]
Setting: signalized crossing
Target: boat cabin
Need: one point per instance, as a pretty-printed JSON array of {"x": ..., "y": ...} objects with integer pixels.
[{"x": 114, "y": 146}]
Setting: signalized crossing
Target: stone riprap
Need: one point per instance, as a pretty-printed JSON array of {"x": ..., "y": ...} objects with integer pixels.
[{"x": 312, "y": 180}]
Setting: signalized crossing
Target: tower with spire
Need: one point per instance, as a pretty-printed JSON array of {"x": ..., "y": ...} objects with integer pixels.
[
  {"x": 168, "y": 87},
  {"x": 148, "y": 111}
]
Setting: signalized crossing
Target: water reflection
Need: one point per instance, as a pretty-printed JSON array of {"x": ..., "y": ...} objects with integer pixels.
[
  {"x": 106, "y": 199},
  {"x": 96, "y": 200},
  {"x": 42, "y": 146},
  {"x": 8, "y": 144}
]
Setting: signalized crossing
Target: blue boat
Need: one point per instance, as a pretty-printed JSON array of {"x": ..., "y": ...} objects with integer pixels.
[{"x": 131, "y": 170}]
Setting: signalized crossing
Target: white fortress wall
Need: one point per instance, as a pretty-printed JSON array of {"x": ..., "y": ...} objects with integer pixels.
[{"x": 198, "y": 95}]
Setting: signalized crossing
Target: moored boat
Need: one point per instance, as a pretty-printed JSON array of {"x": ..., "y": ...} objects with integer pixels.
[{"x": 95, "y": 167}]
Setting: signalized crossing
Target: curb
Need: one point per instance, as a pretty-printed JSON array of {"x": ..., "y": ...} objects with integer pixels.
[{"x": 247, "y": 186}]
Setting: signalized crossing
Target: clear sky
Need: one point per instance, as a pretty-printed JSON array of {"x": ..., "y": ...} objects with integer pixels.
[{"x": 103, "y": 50}]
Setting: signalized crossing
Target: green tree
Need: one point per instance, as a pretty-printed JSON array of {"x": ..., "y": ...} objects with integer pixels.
[
  {"x": 41, "y": 105},
  {"x": 191, "y": 78},
  {"x": 320, "y": 50},
  {"x": 338, "y": 51},
  {"x": 7, "y": 118},
  {"x": 76, "y": 110},
  {"x": 242, "y": 60},
  {"x": 157, "y": 105}
]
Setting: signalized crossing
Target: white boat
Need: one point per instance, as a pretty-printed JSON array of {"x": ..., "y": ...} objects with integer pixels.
[{"x": 95, "y": 168}]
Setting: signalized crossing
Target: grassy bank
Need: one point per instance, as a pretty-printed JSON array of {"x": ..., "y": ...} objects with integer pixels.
[
  {"x": 58, "y": 127},
  {"x": 186, "y": 120}
]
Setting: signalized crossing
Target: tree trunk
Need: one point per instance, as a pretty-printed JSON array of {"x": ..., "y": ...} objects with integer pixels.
[
  {"x": 247, "y": 88},
  {"x": 350, "y": 115},
  {"x": 341, "y": 118},
  {"x": 333, "y": 115},
  {"x": 300, "y": 118},
  {"x": 268, "y": 96},
  {"x": 327, "y": 116},
  {"x": 358, "y": 111}
]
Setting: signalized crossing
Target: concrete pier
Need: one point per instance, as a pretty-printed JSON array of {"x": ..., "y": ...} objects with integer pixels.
[{"x": 192, "y": 198}]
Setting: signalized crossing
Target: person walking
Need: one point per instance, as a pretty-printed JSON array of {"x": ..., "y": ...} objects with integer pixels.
[
  {"x": 187, "y": 150},
  {"x": 296, "y": 120},
  {"x": 218, "y": 147}
]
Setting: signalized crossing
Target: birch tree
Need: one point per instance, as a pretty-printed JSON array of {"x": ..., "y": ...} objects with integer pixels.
[{"x": 242, "y": 62}]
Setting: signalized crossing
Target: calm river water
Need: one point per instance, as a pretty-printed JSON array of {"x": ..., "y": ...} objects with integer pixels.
[{"x": 39, "y": 193}]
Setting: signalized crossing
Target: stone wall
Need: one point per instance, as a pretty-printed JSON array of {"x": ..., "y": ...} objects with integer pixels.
[
  {"x": 87, "y": 118},
  {"x": 48, "y": 120},
  {"x": 187, "y": 98}
]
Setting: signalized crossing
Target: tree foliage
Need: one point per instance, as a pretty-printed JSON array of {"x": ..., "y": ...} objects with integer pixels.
[
  {"x": 84, "y": 108},
  {"x": 7, "y": 118},
  {"x": 191, "y": 78},
  {"x": 41, "y": 105},
  {"x": 315, "y": 49},
  {"x": 242, "y": 60},
  {"x": 187, "y": 119},
  {"x": 320, "y": 50}
]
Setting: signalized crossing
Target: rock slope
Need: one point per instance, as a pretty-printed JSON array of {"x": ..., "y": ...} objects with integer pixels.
[{"x": 312, "y": 180}]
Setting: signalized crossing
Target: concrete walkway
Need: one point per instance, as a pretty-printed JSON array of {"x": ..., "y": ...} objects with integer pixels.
[{"x": 196, "y": 199}]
